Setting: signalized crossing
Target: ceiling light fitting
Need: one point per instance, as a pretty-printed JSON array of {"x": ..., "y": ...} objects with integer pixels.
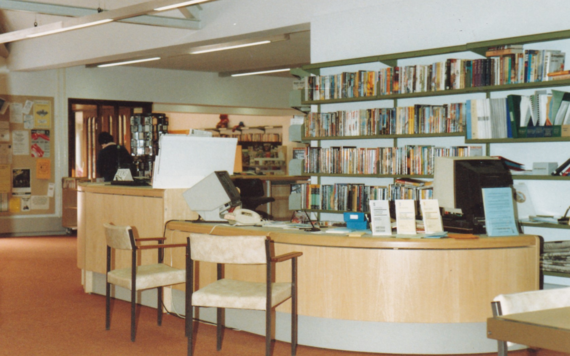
[
  {"x": 261, "y": 72},
  {"x": 237, "y": 44},
  {"x": 69, "y": 28},
  {"x": 128, "y": 62},
  {"x": 99, "y": 18},
  {"x": 229, "y": 47},
  {"x": 180, "y": 4}
]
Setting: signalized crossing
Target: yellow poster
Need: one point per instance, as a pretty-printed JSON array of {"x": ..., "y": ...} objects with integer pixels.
[
  {"x": 5, "y": 178},
  {"x": 15, "y": 204},
  {"x": 42, "y": 115},
  {"x": 43, "y": 168}
]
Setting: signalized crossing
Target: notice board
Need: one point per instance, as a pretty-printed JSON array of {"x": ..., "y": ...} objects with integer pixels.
[{"x": 27, "y": 178}]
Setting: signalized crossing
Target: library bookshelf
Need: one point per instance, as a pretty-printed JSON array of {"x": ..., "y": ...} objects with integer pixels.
[{"x": 523, "y": 146}]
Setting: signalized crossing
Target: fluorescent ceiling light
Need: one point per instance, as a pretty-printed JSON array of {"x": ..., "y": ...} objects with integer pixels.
[
  {"x": 128, "y": 62},
  {"x": 261, "y": 72},
  {"x": 62, "y": 29},
  {"x": 143, "y": 8},
  {"x": 181, "y": 4},
  {"x": 229, "y": 47}
]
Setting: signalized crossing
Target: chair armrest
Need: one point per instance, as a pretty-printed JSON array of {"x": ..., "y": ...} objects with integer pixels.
[
  {"x": 151, "y": 239},
  {"x": 286, "y": 256},
  {"x": 148, "y": 247}
]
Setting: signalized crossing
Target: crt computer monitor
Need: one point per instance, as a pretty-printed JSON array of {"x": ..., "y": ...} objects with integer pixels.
[
  {"x": 458, "y": 184},
  {"x": 213, "y": 196}
]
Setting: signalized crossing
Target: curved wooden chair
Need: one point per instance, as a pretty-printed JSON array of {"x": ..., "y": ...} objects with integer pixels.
[
  {"x": 137, "y": 278},
  {"x": 234, "y": 294}
]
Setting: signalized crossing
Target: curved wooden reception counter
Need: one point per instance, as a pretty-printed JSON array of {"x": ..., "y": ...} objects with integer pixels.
[
  {"x": 392, "y": 295},
  {"x": 386, "y": 295}
]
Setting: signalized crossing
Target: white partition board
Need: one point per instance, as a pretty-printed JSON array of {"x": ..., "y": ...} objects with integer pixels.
[{"x": 184, "y": 160}]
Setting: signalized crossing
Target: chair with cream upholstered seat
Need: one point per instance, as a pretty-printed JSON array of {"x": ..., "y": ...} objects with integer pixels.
[
  {"x": 234, "y": 294},
  {"x": 138, "y": 278},
  {"x": 522, "y": 302}
]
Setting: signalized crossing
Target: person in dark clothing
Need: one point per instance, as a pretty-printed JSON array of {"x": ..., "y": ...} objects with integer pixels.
[{"x": 111, "y": 157}]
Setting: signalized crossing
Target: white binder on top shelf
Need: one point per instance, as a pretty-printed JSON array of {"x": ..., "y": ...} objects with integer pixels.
[{"x": 183, "y": 161}]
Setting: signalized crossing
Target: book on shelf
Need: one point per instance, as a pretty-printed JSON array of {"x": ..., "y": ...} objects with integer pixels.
[
  {"x": 512, "y": 165},
  {"x": 538, "y": 115},
  {"x": 406, "y": 160},
  {"x": 504, "y": 66}
]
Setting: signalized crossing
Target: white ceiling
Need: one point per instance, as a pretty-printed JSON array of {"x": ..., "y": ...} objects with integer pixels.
[{"x": 290, "y": 53}]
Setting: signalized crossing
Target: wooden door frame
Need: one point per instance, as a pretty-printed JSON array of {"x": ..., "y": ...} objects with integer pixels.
[{"x": 145, "y": 105}]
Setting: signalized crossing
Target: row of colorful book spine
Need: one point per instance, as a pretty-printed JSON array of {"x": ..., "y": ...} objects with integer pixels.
[
  {"x": 417, "y": 119},
  {"x": 267, "y": 137},
  {"x": 507, "y": 66},
  {"x": 406, "y": 160},
  {"x": 355, "y": 197}
]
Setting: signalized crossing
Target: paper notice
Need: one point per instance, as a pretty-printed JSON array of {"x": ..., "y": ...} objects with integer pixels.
[
  {"x": 40, "y": 202},
  {"x": 21, "y": 181},
  {"x": 431, "y": 216},
  {"x": 40, "y": 143},
  {"x": 406, "y": 217},
  {"x": 20, "y": 143},
  {"x": 26, "y": 203},
  {"x": 28, "y": 107},
  {"x": 15, "y": 204},
  {"x": 380, "y": 217},
  {"x": 42, "y": 114},
  {"x": 28, "y": 122},
  {"x": 43, "y": 168},
  {"x": 51, "y": 190},
  {"x": 16, "y": 115}
]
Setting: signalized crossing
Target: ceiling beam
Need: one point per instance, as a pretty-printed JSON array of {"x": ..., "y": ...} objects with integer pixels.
[
  {"x": 73, "y": 11},
  {"x": 192, "y": 12}
]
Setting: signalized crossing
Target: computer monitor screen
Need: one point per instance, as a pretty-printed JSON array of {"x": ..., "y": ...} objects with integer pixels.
[
  {"x": 458, "y": 183},
  {"x": 471, "y": 176},
  {"x": 212, "y": 196},
  {"x": 229, "y": 187}
]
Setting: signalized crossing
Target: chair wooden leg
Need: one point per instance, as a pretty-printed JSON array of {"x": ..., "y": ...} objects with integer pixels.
[
  {"x": 220, "y": 328},
  {"x": 189, "y": 331},
  {"x": 268, "y": 332},
  {"x": 133, "y": 314},
  {"x": 159, "y": 306},
  {"x": 108, "y": 307},
  {"x": 294, "y": 317}
]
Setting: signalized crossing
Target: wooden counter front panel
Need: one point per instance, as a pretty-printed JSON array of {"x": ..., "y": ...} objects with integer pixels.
[
  {"x": 391, "y": 285},
  {"x": 143, "y": 213}
]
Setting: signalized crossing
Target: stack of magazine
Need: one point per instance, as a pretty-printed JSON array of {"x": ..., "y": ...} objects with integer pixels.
[{"x": 556, "y": 257}]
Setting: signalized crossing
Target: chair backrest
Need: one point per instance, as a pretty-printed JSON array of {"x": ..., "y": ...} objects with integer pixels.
[
  {"x": 251, "y": 188},
  {"x": 118, "y": 237},
  {"x": 228, "y": 249},
  {"x": 534, "y": 300}
]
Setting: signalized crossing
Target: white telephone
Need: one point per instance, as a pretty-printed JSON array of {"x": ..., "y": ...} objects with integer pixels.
[{"x": 243, "y": 217}]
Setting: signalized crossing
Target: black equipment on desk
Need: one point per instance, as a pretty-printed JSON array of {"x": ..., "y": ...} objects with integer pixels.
[{"x": 458, "y": 184}]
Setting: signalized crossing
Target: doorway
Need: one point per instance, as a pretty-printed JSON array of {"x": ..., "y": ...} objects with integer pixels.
[{"x": 86, "y": 119}]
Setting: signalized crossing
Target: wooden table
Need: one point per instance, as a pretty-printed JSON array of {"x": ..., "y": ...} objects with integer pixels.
[{"x": 547, "y": 329}]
